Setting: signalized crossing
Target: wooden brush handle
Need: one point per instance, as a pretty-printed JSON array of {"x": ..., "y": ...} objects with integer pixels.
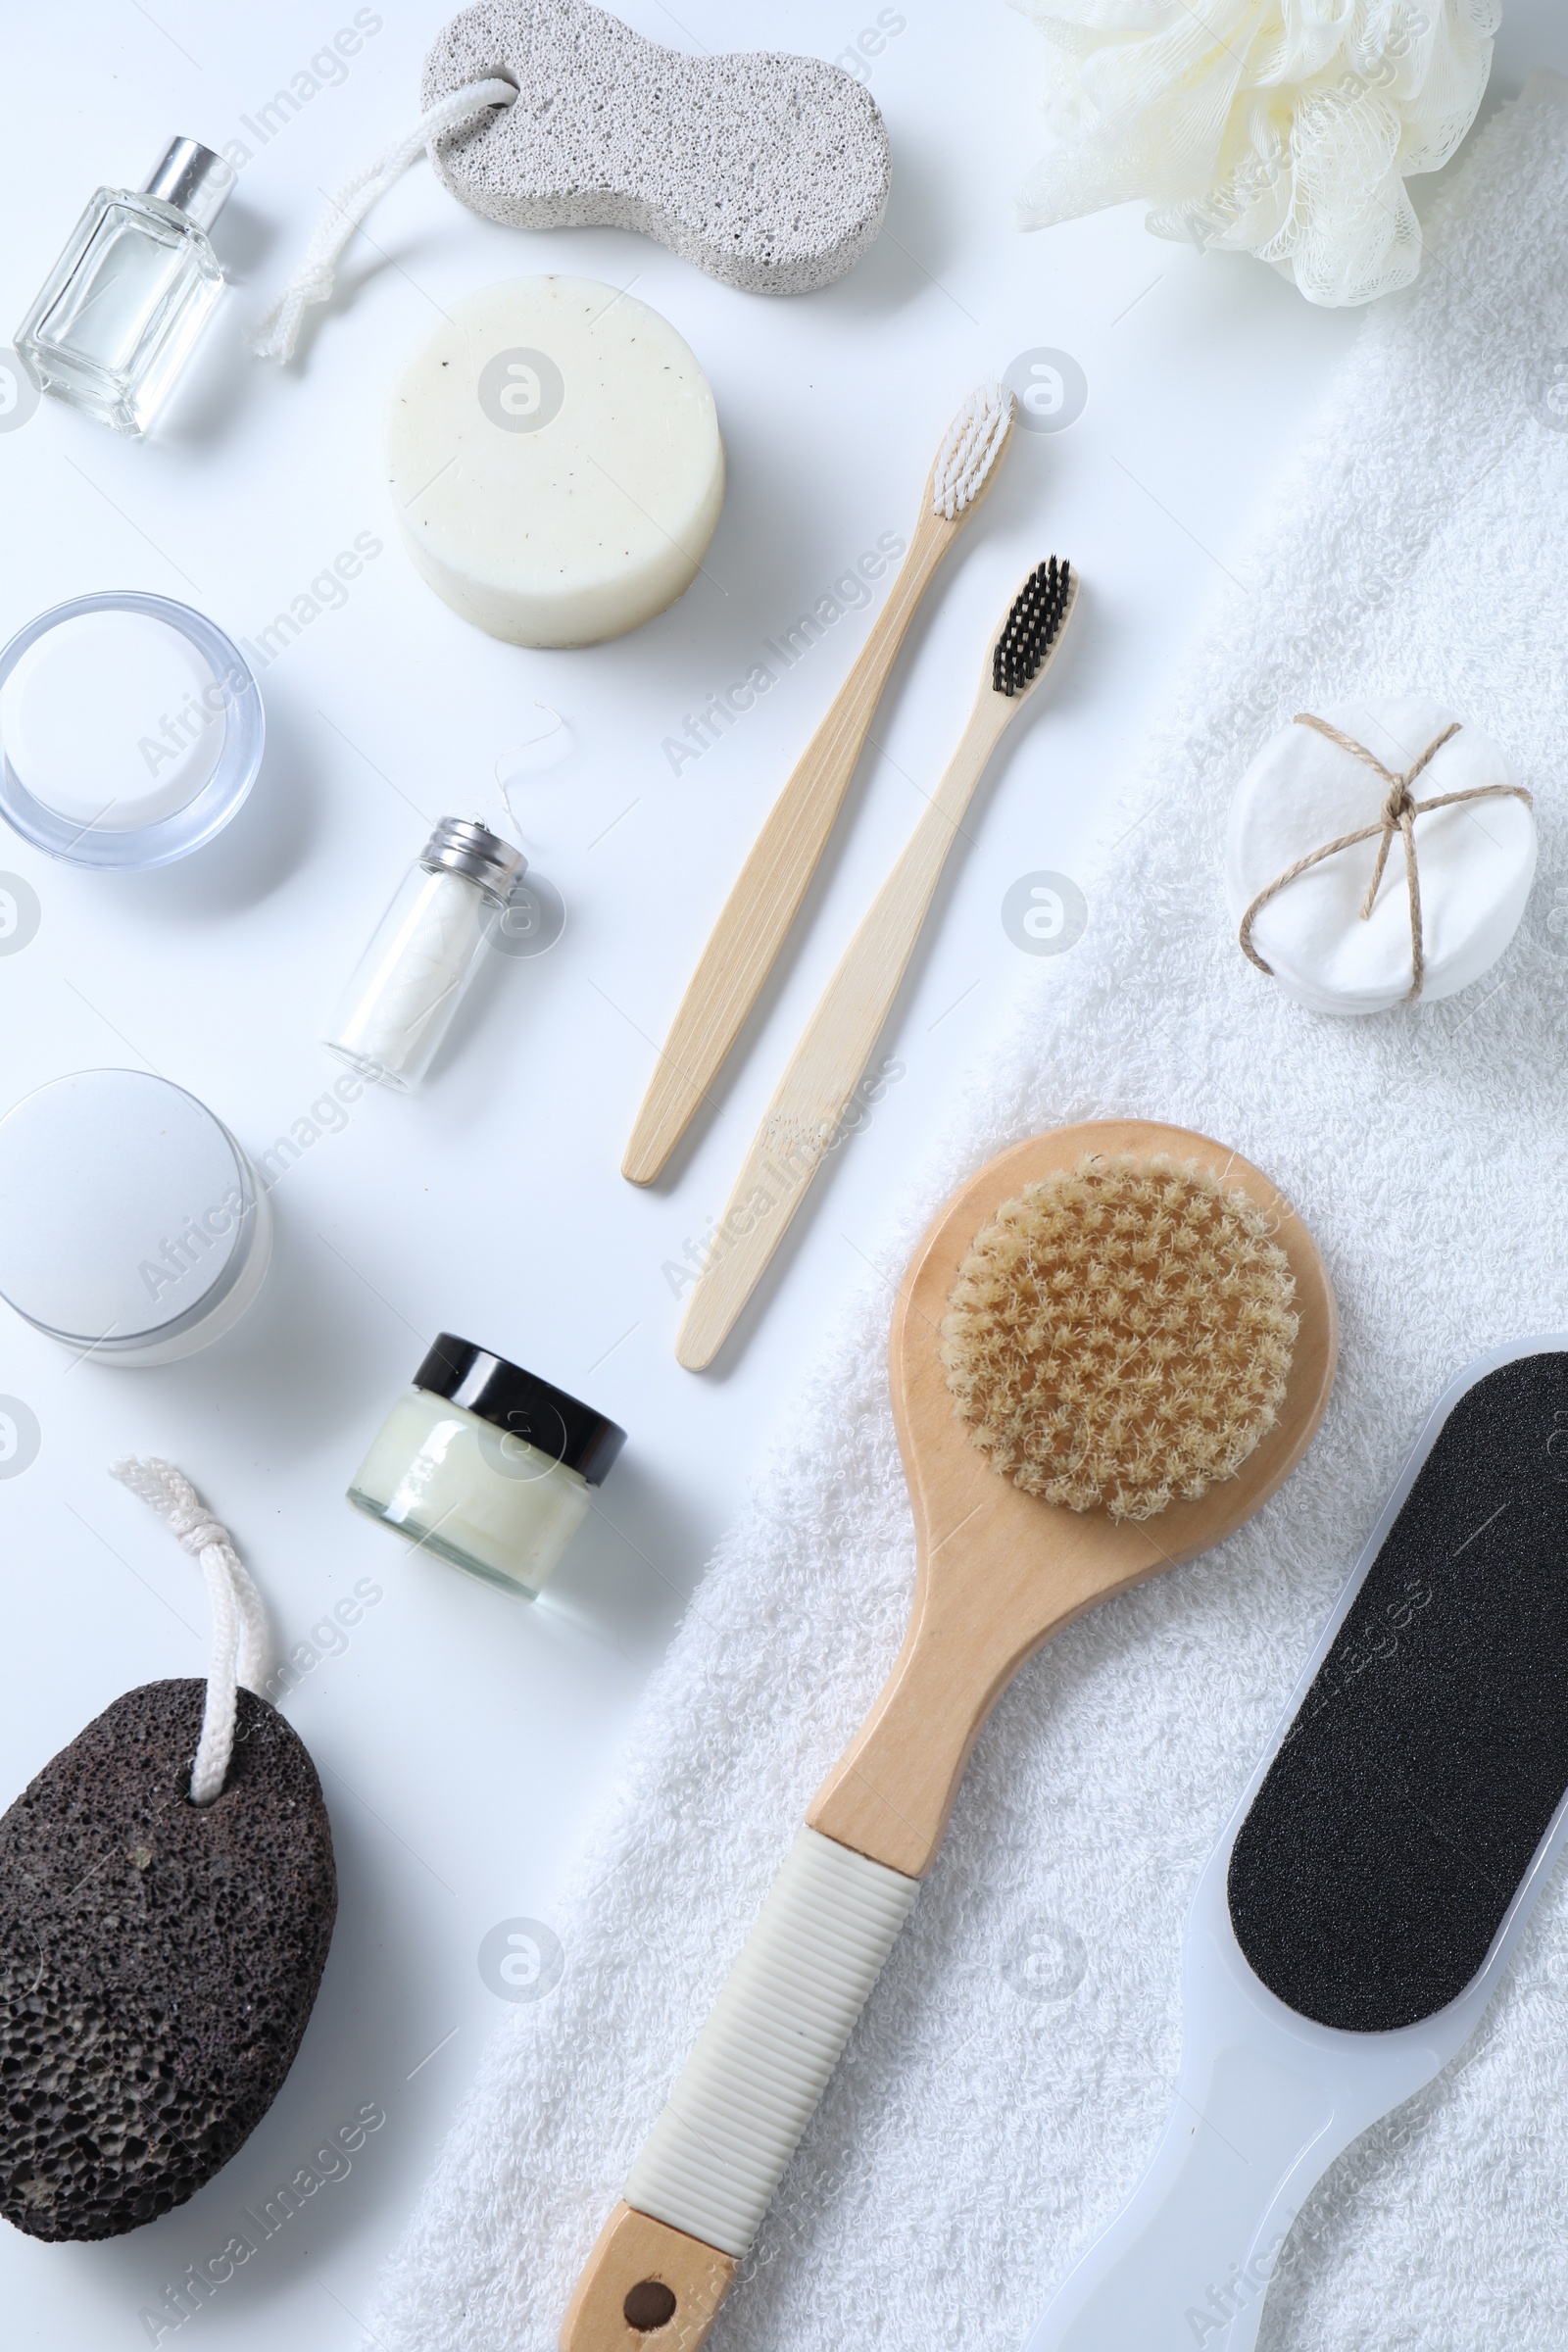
[
  {"x": 890, "y": 1793},
  {"x": 759, "y": 910},
  {"x": 709, "y": 2169},
  {"x": 707, "y": 2172},
  {"x": 803, "y": 1118},
  {"x": 639, "y": 2270}
]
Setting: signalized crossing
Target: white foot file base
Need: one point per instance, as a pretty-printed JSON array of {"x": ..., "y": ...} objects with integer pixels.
[{"x": 1267, "y": 2099}]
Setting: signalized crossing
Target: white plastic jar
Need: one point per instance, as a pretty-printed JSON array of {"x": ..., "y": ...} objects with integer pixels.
[
  {"x": 486, "y": 1465},
  {"x": 134, "y": 1229}
]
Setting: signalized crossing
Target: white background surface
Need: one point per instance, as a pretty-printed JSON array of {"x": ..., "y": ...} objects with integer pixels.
[{"x": 464, "y": 1740}]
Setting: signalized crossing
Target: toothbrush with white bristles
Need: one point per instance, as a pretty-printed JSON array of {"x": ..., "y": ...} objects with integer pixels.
[{"x": 759, "y": 910}]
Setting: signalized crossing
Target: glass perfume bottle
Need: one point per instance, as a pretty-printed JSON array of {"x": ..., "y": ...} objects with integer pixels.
[{"x": 124, "y": 304}]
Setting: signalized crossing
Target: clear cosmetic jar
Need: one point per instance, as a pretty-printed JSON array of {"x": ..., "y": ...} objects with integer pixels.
[
  {"x": 130, "y": 731},
  {"x": 487, "y": 1465},
  {"x": 132, "y": 1226}
]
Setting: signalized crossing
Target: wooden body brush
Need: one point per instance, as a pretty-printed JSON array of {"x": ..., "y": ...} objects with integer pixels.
[
  {"x": 759, "y": 910},
  {"x": 1109, "y": 1350},
  {"x": 801, "y": 1123}
]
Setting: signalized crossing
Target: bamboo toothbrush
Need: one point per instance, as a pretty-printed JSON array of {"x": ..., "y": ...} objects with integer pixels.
[
  {"x": 1109, "y": 1350},
  {"x": 814, "y": 1093},
  {"x": 759, "y": 910}
]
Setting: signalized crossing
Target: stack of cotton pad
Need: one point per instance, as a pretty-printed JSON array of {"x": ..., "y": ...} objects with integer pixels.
[
  {"x": 555, "y": 461},
  {"x": 1475, "y": 862},
  {"x": 768, "y": 172}
]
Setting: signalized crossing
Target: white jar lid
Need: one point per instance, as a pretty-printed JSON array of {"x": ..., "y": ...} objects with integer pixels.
[{"x": 126, "y": 1209}]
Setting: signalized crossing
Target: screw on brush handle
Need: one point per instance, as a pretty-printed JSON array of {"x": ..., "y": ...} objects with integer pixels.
[{"x": 697, "y": 2192}]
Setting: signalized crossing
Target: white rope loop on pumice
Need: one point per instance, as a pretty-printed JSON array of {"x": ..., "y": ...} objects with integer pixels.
[
  {"x": 239, "y": 1618},
  {"x": 275, "y": 335}
]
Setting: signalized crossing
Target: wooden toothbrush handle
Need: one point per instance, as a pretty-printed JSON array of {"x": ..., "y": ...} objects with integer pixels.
[
  {"x": 763, "y": 905},
  {"x": 803, "y": 1120}
]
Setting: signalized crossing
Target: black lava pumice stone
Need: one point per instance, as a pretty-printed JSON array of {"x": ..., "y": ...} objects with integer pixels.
[{"x": 159, "y": 1960}]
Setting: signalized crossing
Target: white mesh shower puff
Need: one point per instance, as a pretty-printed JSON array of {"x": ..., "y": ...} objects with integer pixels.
[{"x": 1281, "y": 127}]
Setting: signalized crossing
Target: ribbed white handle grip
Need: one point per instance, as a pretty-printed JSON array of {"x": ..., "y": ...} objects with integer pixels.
[{"x": 711, "y": 2161}]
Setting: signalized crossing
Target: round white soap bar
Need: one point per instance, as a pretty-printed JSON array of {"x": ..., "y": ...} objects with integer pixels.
[
  {"x": 555, "y": 461},
  {"x": 104, "y": 720},
  {"x": 1475, "y": 860}
]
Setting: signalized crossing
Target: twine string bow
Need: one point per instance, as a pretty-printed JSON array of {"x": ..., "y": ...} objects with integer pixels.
[{"x": 1399, "y": 813}]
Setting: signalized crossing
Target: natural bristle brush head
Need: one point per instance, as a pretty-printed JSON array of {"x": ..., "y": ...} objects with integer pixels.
[
  {"x": 974, "y": 442},
  {"x": 1033, "y": 628},
  {"x": 997, "y": 1570},
  {"x": 1120, "y": 1334}
]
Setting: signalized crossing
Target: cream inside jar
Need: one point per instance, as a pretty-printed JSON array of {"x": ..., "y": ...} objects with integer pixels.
[
  {"x": 113, "y": 719},
  {"x": 486, "y": 1465}
]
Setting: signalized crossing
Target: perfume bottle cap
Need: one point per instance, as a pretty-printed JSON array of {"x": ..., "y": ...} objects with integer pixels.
[
  {"x": 461, "y": 845},
  {"x": 192, "y": 178}
]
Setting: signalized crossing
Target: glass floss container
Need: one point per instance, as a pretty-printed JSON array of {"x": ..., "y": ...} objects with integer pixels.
[
  {"x": 134, "y": 1229},
  {"x": 487, "y": 1465},
  {"x": 411, "y": 977},
  {"x": 120, "y": 310}
]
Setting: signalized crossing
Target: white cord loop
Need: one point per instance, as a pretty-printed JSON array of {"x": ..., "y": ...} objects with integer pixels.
[
  {"x": 239, "y": 1619},
  {"x": 275, "y": 335}
]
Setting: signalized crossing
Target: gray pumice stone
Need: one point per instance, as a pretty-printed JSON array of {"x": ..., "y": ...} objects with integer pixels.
[
  {"x": 159, "y": 1960},
  {"x": 766, "y": 171}
]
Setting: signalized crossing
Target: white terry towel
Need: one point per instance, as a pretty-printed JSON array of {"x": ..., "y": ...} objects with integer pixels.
[{"x": 1014, "y": 2064}]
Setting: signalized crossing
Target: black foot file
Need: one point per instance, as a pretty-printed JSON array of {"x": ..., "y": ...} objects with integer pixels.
[{"x": 1357, "y": 1916}]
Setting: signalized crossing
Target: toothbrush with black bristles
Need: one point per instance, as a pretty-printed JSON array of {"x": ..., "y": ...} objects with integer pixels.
[
  {"x": 814, "y": 1093},
  {"x": 756, "y": 918}
]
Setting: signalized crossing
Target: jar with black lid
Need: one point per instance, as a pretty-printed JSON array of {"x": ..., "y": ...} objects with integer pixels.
[{"x": 486, "y": 1464}]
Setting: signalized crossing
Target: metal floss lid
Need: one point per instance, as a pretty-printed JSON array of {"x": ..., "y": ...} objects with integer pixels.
[
  {"x": 124, "y": 1206},
  {"x": 461, "y": 845},
  {"x": 194, "y": 179}
]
